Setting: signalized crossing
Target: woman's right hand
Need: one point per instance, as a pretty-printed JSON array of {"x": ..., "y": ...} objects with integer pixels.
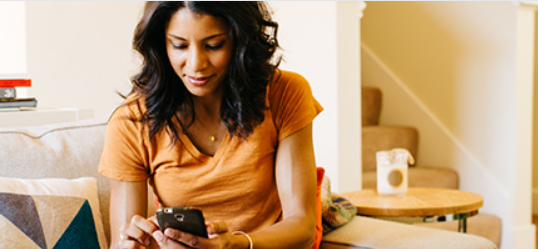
[{"x": 136, "y": 233}]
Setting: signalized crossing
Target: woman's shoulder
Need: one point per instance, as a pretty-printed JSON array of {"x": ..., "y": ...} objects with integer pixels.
[
  {"x": 283, "y": 80},
  {"x": 287, "y": 77},
  {"x": 287, "y": 82}
]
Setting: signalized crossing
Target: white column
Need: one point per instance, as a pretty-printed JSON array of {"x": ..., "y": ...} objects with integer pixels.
[
  {"x": 521, "y": 225},
  {"x": 349, "y": 16}
]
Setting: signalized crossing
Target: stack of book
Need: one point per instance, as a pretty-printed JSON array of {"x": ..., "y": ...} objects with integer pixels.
[{"x": 14, "y": 93}]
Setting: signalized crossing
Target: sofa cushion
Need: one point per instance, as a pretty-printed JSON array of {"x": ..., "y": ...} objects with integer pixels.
[
  {"x": 363, "y": 232},
  {"x": 50, "y": 213},
  {"x": 62, "y": 150}
]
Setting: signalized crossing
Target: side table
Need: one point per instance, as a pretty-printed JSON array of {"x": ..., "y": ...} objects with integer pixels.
[{"x": 418, "y": 205}]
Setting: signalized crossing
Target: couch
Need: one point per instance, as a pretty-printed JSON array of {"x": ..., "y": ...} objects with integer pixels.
[{"x": 52, "y": 169}]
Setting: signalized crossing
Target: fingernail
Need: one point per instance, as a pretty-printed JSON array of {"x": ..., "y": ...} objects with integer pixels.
[
  {"x": 170, "y": 233},
  {"x": 158, "y": 236}
]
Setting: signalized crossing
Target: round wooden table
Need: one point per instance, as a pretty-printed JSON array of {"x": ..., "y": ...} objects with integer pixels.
[{"x": 418, "y": 205}]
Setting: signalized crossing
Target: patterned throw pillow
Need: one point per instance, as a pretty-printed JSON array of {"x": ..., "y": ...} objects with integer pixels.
[
  {"x": 50, "y": 213},
  {"x": 336, "y": 210}
]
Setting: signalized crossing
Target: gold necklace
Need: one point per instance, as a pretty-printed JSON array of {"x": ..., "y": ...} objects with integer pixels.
[{"x": 212, "y": 137}]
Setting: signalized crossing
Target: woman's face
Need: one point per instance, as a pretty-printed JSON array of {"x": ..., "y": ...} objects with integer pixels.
[{"x": 199, "y": 50}]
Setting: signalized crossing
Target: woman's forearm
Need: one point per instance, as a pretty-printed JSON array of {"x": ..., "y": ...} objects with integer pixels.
[
  {"x": 297, "y": 232},
  {"x": 126, "y": 200}
]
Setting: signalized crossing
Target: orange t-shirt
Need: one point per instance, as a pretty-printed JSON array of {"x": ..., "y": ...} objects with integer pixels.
[{"x": 237, "y": 184}]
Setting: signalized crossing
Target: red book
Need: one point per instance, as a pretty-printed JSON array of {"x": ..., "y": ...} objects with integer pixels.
[{"x": 15, "y": 82}]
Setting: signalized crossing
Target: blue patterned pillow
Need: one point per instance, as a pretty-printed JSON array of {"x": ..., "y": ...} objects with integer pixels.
[{"x": 50, "y": 213}]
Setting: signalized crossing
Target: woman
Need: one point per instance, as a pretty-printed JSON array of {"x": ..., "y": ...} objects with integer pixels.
[{"x": 212, "y": 123}]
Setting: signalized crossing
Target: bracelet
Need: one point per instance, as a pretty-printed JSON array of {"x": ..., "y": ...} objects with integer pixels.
[{"x": 250, "y": 244}]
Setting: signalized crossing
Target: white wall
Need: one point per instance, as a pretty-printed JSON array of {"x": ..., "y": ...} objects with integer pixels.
[
  {"x": 12, "y": 38},
  {"x": 79, "y": 53},
  {"x": 320, "y": 75},
  {"x": 452, "y": 70}
]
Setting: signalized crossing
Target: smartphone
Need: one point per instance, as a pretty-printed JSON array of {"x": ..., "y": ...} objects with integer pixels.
[{"x": 186, "y": 219}]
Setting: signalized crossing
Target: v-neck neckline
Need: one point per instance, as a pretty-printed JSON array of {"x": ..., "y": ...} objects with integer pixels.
[{"x": 201, "y": 156}]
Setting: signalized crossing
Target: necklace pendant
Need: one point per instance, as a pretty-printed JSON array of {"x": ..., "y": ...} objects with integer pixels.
[{"x": 212, "y": 138}]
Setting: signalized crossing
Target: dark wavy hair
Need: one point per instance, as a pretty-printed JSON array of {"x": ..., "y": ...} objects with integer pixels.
[{"x": 251, "y": 67}]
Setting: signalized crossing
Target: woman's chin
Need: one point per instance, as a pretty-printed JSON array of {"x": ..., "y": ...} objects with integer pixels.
[{"x": 200, "y": 92}]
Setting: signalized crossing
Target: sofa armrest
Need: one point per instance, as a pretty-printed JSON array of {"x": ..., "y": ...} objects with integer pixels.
[{"x": 364, "y": 232}]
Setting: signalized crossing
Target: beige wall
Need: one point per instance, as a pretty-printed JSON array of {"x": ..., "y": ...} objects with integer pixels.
[
  {"x": 449, "y": 69},
  {"x": 535, "y": 134},
  {"x": 457, "y": 67}
]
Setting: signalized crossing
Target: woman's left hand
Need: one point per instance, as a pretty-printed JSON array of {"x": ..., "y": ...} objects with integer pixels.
[{"x": 219, "y": 237}]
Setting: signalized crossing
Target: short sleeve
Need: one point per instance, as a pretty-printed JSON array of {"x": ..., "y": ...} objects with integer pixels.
[
  {"x": 292, "y": 103},
  {"x": 123, "y": 155}
]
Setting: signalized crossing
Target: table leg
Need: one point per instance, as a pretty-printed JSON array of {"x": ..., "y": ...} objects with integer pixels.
[{"x": 462, "y": 225}]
